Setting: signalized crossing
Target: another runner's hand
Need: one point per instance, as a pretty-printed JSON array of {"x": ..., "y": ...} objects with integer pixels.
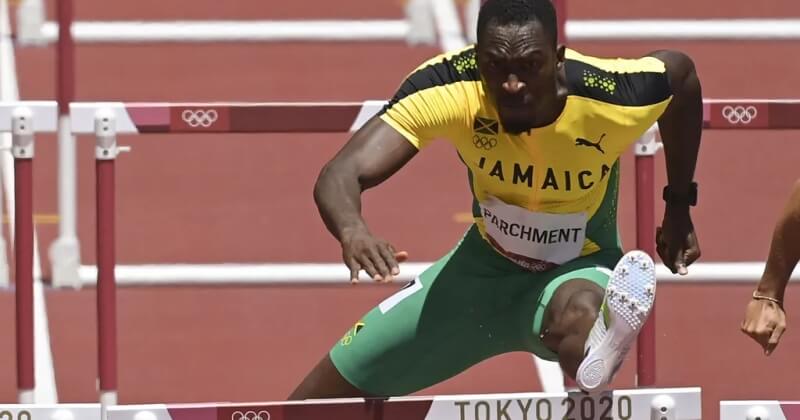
[
  {"x": 378, "y": 258},
  {"x": 764, "y": 322},
  {"x": 676, "y": 241}
]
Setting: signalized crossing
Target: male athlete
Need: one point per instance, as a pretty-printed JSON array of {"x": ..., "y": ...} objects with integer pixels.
[
  {"x": 765, "y": 320},
  {"x": 540, "y": 129}
]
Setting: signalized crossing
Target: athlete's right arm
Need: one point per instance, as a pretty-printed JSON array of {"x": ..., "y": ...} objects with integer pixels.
[
  {"x": 429, "y": 104},
  {"x": 373, "y": 154}
]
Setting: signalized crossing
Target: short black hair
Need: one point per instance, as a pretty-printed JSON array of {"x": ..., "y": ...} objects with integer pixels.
[{"x": 520, "y": 12}]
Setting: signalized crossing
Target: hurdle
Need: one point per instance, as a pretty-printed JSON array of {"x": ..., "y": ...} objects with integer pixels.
[
  {"x": 107, "y": 119},
  {"x": 22, "y": 122},
  {"x": 661, "y": 404},
  {"x": 416, "y": 27},
  {"x": 347, "y": 117},
  {"x": 425, "y": 22},
  {"x": 759, "y": 410}
]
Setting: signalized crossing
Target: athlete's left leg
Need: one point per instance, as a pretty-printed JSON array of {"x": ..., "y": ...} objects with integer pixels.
[
  {"x": 570, "y": 316},
  {"x": 593, "y": 316}
]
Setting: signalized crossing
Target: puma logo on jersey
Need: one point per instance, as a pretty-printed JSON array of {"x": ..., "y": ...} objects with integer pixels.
[{"x": 588, "y": 143}]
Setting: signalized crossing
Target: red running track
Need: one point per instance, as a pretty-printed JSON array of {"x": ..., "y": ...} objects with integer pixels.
[{"x": 247, "y": 198}]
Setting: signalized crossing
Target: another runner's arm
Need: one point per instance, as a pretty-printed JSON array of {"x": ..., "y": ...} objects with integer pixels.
[
  {"x": 373, "y": 154},
  {"x": 681, "y": 125},
  {"x": 784, "y": 252}
]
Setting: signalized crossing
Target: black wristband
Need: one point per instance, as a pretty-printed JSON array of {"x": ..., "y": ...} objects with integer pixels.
[{"x": 689, "y": 198}]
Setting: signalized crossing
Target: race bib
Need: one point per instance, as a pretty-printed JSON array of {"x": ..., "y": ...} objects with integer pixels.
[{"x": 529, "y": 237}]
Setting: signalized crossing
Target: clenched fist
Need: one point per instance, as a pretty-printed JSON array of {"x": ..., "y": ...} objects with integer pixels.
[{"x": 765, "y": 322}]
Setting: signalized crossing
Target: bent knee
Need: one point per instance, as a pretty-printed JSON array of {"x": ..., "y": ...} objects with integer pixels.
[{"x": 325, "y": 381}]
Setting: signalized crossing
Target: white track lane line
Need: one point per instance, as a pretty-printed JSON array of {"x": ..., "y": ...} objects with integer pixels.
[{"x": 45, "y": 392}]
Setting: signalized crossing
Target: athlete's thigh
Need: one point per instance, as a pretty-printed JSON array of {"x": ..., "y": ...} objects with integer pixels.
[
  {"x": 432, "y": 329},
  {"x": 595, "y": 268}
]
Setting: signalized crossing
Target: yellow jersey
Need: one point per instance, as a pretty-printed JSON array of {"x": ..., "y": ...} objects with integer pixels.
[{"x": 548, "y": 195}]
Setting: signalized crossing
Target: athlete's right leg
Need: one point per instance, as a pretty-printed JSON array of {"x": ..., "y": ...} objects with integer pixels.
[
  {"x": 324, "y": 381},
  {"x": 432, "y": 329}
]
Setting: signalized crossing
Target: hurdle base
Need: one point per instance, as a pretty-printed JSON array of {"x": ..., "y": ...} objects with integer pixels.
[
  {"x": 108, "y": 398},
  {"x": 65, "y": 260},
  {"x": 26, "y": 396}
]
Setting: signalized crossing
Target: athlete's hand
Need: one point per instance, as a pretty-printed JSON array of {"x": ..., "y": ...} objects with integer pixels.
[
  {"x": 676, "y": 241},
  {"x": 378, "y": 258},
  {"x": 764, "y": 322}
]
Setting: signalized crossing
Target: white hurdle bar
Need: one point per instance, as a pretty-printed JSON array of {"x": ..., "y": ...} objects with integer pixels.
[
  {"x": 44, "y": 115},
  {"x": 337, "y": 273},
  {"x": 640, "y": 404},
  {"x": 636, "y": 404},
  {"x": 759, "y": 410},
  {"x": 403, "y": 31},
  {"x": 416, "y": 27},
  {"x": 398, "y": 31},
  {"x": 237, "y": 31}
]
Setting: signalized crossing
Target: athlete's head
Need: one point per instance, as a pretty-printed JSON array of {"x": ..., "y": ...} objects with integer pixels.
[{"x": 520, "y": 60}]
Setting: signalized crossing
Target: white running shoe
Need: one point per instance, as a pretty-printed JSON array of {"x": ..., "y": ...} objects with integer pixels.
[{"x": 629, "y": 299}]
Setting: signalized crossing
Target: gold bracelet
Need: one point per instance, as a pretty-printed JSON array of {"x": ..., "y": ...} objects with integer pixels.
[{"x": 762, "y": 297}]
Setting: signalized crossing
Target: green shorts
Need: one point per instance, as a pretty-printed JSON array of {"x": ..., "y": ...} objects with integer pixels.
[{"x": 469, "y": 306}]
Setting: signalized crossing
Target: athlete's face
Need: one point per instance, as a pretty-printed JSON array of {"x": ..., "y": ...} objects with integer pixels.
[{"x": 520, "y": 68}]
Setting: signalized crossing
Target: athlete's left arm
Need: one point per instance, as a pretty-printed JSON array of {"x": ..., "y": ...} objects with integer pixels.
[{"x": 681, "y": 126}]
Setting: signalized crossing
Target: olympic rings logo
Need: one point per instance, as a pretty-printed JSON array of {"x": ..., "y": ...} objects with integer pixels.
[
  {"x": 250, "y": 415},
  {"x": 739, "y": 114},
  {"x": 484, "y": 142},
  {"x": 199, "y": 118}
]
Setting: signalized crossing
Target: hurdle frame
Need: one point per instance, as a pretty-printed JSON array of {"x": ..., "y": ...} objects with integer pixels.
[
  {"x": 106, "y": 119},
  {"x": 623, "y": 404},
  {"x": 64, "y": 253}
]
